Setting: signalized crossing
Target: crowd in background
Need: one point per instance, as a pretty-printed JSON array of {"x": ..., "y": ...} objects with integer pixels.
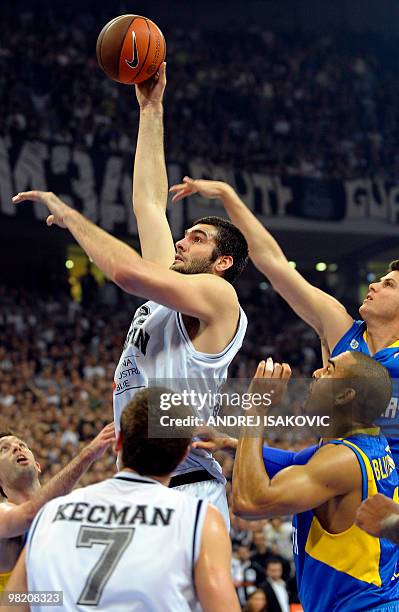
[
  {"x": 276, "y": 102},
  {"x": 57, "y": 362}
]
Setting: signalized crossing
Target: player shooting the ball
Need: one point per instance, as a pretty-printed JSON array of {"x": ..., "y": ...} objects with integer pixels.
[{"x": 192, "y": 325}]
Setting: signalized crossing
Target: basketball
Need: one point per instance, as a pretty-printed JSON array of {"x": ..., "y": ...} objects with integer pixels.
[{"x": 130, "y": 49}]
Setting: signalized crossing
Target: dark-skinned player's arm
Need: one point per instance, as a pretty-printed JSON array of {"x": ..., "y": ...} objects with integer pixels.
[
  {"x": 204, "y": 296},
  {"x": 150, "y": 181},
  {"x": 18, "y": 583},
  {"x": 274, "y": 459},
  {"x": 323, "y": 312},
  {"x": 16, "y": 519},
  {"x": 332, "y": 471}
]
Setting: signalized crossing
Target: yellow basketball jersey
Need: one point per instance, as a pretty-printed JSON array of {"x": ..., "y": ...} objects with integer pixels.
[{"x": 351, "y": 570}]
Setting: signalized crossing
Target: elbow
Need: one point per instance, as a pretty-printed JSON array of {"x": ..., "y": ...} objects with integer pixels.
[
  {"x": 243, "y": 506},
  {"x": 251, "y": 506}
]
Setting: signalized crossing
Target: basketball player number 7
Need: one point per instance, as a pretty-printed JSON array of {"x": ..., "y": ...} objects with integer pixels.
[{"x": 115, "y": 542}]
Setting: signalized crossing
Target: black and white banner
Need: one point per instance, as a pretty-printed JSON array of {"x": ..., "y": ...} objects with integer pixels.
[{"x": 99, "y": 185}]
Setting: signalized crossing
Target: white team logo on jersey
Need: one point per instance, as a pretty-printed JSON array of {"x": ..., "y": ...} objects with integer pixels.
[{"x": 354, "y": 344}]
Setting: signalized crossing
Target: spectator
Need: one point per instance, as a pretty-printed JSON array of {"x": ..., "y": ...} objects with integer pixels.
[
  {"x": 275, "y": 587},
  {"x": 256, "y": 602},
  {"x": 279, "y": 534},
  {"x": 244, "y": 575}
]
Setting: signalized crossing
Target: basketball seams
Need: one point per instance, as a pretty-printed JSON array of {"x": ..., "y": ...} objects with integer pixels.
[
  {"x": 122, "y": 41},
  {"x": 134, "y": 79},
  {"x": 113, "y": 45},
  {"x": 101, "y": 38}
]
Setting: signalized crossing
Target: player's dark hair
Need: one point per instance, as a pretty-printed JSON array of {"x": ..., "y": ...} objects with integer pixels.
[
  {"x": 4, "y": 434},
  {"x": 229, "y": 241},
  {"x": 147, "y": 447},
  {"x": 373, "y": 386},
  {"x": 394, "y": 266}
]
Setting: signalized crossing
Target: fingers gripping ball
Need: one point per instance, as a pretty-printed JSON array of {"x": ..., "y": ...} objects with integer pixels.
[{"x": 130, "y": 49}]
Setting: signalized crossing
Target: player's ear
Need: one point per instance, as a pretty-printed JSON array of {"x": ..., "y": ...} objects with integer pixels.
[
  {"x": 346, "y": 396},
  {"x": 38, "y": 467},
  {"x": 223, "y": 263},
  {"x": 186, "y": 453}
]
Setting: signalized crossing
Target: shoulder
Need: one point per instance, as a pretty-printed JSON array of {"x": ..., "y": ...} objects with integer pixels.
[
  {"x": 336, "y": 463},
  {"x": 214, "y": 521}
]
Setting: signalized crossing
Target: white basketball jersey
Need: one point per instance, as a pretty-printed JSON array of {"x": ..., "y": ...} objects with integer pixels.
[
  {"x": 127, "y": 544},
  {"x": 158, "y": 348}
]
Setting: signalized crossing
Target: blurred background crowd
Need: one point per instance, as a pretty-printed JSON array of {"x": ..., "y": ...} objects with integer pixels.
[{"x": 285, "y": 103}]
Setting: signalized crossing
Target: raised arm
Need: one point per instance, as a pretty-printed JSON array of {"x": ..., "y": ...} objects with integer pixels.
[
  {"x": 15, "y": 520},
  {"x": 150, "y": 182},
  {"x": 205, "y": 296},
  {"x": 320, "y": 310},
  {"x": 331, "y": 472},
  {"x": 212, "y": 573}
]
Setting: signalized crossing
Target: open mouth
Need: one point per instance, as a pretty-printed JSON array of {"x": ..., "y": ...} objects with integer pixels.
[{"x": 22, "y": 460}]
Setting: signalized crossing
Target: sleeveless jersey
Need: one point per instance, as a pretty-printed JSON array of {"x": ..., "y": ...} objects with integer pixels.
[
  {"x": 10, "y": 549},
  {"x": 127, "y": 543},
  {"x": 351, "y": 570},
  {"x": 158, "y": 350},
  {"x": 355, "y": 340}
]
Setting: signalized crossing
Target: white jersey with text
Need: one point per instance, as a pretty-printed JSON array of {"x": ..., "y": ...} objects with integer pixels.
[
  {"x": 127, "y": 543},
  {"x": 158, "y": 351}
]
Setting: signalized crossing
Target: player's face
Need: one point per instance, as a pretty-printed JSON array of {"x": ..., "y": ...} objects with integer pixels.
[
  {"x": 382, "y": 298},
  {"x": 195, "y": 252},
  {"x": 17, "y": 462},
  {"x": 327, "y": 383}
]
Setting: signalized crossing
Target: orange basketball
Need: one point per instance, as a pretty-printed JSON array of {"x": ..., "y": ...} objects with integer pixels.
[{"x": 130, "y": 49}]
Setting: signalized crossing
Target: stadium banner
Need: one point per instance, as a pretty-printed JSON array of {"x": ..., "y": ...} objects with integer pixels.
[{"x": 98, "y": 183}]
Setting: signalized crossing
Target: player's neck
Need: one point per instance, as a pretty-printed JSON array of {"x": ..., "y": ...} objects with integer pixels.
[
  {"x": 380, "y": 336},
  {"x": 19, "y": 496},
  {"x": 165, "y": 480}
]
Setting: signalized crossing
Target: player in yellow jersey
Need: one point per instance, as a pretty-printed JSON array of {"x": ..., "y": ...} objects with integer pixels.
[
  {"x": 20, "y": 486},
  {"x": 339, "y": 566}
]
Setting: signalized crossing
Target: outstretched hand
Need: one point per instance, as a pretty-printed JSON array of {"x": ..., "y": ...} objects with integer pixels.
[
  {"x": 56, "y": 207},
  {"x": 151, "y": 91},
  {"x": 271, "y": 378},
  {"x": 102, "y": 441},
  {"x": 207, "y": 189},
  {"x": 212, "y": 440}
]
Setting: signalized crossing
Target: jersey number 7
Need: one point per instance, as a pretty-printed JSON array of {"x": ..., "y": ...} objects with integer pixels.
[{"x": 115, "y": 541}]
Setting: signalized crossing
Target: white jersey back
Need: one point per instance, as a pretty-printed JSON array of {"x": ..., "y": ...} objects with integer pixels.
[
  {"x": 127, "y": 544},
  {"x": 158, "y": 348}
]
